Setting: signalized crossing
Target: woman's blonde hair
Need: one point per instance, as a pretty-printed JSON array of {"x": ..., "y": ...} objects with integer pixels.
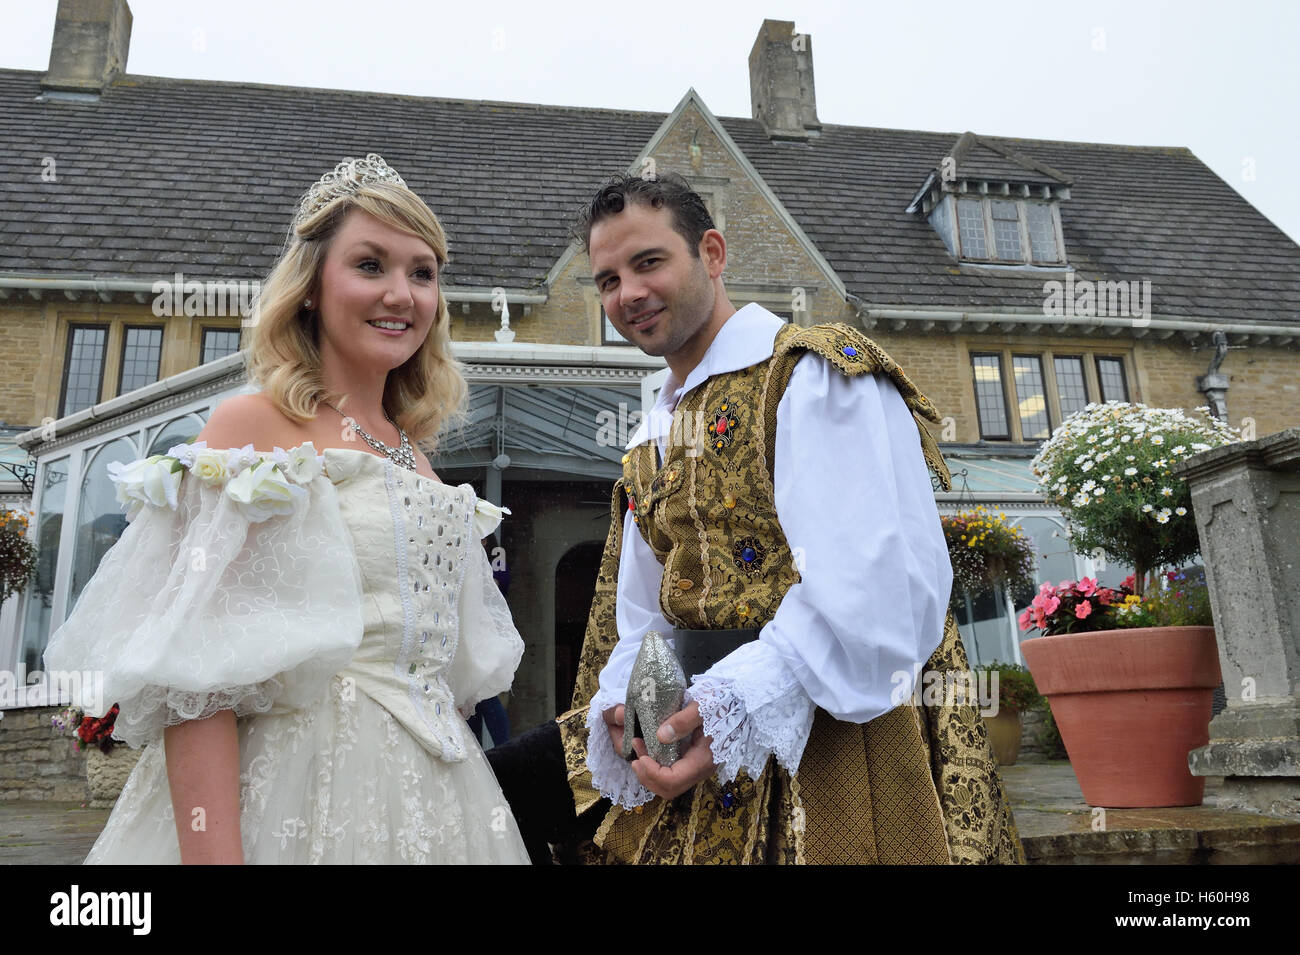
[{"x": 424, "y": 394}]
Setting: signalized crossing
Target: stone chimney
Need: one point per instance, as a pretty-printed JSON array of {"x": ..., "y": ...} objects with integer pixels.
[
  {"x": 91, "y": 38},
  {"x": 781, "y": 82}
]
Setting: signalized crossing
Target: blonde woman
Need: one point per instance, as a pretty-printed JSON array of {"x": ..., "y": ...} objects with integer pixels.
[{"x": 300, "y": 610}]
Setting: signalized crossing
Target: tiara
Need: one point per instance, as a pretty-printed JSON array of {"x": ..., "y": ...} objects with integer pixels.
[{"x": 345, "y": 179}]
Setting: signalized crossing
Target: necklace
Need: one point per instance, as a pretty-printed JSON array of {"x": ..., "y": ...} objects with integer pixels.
[{"x": 402, "y": 455}]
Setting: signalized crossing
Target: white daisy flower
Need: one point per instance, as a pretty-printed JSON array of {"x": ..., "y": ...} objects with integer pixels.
[
  {"x": 1080, "y": 499},
  {"x": 1157, "y": 439},
  {"x": 1147, "y": 508},
  {"x": 1180, "y": 511},
  {"x": 1166, "y": 492},
  {"x": 1162, "y": 517},
  {"x": 1129, "y": 472},
  {"x": 1179, "y": 450}
]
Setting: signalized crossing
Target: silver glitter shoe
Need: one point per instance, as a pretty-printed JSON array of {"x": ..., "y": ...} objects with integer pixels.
[{"x": 654, "y": 692}]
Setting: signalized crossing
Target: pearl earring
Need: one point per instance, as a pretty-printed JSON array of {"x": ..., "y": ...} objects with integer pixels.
[{"x": 307, "y": 304}]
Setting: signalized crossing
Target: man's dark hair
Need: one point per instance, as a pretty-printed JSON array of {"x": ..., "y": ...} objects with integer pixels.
[{"x": 670, "y": 191}]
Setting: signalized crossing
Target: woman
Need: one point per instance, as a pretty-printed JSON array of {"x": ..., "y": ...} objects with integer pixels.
[{"x": 308, "y": 613}]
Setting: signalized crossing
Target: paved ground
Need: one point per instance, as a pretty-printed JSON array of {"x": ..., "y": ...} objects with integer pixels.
[{"x": 1056, "y": 825}]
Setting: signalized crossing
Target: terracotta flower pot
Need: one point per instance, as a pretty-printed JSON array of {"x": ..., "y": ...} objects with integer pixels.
[
  {"x": 1004, "y": 734},
  {"x": 1130, "y": 705}
]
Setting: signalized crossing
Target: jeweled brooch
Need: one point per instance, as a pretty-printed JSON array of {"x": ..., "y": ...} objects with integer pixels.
[
  {"x": 748, "y": 554},
  {"x": 722, "y": 427}
]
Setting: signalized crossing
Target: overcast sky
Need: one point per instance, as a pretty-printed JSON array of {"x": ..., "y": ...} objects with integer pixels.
[{"x": 1219, "y": 78}]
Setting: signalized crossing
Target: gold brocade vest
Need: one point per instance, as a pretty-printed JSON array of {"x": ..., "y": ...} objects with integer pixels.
[
  {"x": 709, "y": 513},
  {"x": 915, "y": 785}
]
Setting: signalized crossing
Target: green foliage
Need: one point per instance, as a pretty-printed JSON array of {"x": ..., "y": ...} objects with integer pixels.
[
  {"x": 1178, "y": 599},
  {"x": 1109, "y": 469},
  {"x": 1016, "y": 688}
]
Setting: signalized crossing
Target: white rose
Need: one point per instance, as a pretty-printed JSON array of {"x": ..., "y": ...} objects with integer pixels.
[
  {"x": 241, "y": 458},
  {"x": 487, "y": 516},
  {"x": 146, "y": 481},
  {"x": 185, "y": 453},
  {"x": 210, "y": 466},
  {"x": 261, "y": 492},
  {"x": 304, "y": 464}
]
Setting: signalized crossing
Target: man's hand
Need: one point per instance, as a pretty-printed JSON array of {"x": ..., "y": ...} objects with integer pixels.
[
  {"x": 614, "y": 723},
  {"x": 694, "y": 766}
]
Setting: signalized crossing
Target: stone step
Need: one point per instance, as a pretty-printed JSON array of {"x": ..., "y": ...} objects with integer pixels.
[{"x": 1058, "y": 828}]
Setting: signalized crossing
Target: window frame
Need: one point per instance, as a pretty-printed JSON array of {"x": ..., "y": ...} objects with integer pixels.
[
  {"x": 121, "y": 363},
  {"x": 1097, "y": 359},
  {"x": 1002, "y": 379},
  {"x": 204, "y": 330},
  {"x": 1046, "y": 356},
  {"x": 952, "y": 220},
  {"x": 73, "y": 328}
]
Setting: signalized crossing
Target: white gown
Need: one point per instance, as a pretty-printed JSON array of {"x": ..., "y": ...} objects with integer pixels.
[{"x": 345, "y": 609}]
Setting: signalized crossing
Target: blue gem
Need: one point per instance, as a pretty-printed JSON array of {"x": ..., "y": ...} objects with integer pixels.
[
  {"x": 850, "y": 351},
  {"x": 728, "y": 800},
  {"x": 748, "y": 555}
]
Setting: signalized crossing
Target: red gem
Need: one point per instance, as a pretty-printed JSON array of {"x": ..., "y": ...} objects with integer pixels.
[{"x": 722, "y": 425}]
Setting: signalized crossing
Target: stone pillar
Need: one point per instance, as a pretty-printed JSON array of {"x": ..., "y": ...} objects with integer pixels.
[{"x": 1246, "y": 499}]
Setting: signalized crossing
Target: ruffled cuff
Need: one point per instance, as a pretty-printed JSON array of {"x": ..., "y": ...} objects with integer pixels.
[
  {"x": 611, "y": 774},
  {"x": 753, "y": 707}
]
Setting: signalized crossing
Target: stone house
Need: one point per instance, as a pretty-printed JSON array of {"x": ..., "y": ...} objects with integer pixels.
[{"x": 139, "y": 213}]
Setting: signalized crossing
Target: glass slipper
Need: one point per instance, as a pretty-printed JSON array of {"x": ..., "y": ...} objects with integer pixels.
[{"x": 655, "y": 691}]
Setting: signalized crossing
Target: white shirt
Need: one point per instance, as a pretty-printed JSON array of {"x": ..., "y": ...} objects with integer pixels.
[{"x": 854, "y": 499}]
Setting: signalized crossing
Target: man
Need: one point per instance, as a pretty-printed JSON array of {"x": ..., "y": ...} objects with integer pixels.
[{"x": 774, "y": 519}]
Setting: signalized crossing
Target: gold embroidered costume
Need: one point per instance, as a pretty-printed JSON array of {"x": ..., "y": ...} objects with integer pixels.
[{"x": 915, "y": 785}]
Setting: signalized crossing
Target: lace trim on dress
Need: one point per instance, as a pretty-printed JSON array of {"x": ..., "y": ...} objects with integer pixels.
[
  {"x": 612, "y": 775},
  {"x": 753, "y": 707}
]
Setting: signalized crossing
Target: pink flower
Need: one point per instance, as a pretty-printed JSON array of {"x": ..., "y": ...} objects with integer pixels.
[
  {"x": 1065, "y": 585},
  {"x": 1051, "y": 605},
  {"x": 1087, "y": 586},
  {"x": 1046, "y": 589},
  {"x": 1025, "y": 620},
  {"x": 1083, "y": 610}
]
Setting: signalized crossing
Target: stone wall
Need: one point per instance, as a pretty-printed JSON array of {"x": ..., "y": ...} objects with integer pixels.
[{"x": 37, "y": 761}]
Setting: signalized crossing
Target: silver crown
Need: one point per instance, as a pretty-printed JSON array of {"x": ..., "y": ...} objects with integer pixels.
[{"x": 345, "y": 179}]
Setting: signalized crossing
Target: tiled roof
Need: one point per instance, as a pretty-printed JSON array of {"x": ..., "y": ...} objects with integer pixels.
[{"x": 163, "y": 175}]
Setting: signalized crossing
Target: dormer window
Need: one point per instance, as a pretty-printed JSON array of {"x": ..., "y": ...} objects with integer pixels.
[
  {"x": 1000, "y": 231},
  {"x": 994, "y": 206}
]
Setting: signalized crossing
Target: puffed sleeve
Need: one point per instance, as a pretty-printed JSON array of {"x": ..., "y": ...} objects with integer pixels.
[
  {"x": 234, "y": 587},
  {"x": 489, "y": 648}
]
